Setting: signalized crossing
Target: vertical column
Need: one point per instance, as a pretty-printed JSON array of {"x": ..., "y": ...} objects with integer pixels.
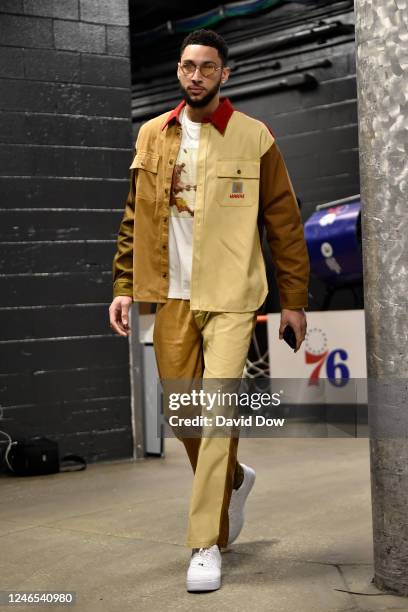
[{"x": 382, "y": 83}]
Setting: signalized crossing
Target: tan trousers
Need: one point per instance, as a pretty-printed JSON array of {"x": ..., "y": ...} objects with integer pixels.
[{"x": 193, "y": 345}]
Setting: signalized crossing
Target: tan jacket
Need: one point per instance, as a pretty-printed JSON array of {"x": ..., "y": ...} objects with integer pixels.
[{"x": 242, "y": 185}]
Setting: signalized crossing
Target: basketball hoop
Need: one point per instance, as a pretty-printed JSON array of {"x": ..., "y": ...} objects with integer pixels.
[{"x": 258, "y": 367}]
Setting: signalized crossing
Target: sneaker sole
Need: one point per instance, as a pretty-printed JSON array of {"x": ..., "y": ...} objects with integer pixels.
[
  {"x": 252, "y": 478},
  {"x": 203, "y": 585}
]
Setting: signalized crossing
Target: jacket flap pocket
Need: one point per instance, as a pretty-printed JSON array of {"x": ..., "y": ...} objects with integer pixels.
[
  {"x": 239, "y": 168},
  {"x": 145, "y": 161}
]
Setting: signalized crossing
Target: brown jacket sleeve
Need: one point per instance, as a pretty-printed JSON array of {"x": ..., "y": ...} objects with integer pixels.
[
  {"x": 122, "y": 269},
  {"x": 279, "y": 213}
]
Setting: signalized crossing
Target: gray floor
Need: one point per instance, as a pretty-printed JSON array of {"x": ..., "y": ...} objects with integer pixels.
[{"x": 115, "y": 533}]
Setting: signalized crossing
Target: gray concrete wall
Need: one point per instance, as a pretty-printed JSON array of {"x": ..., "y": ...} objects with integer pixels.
[{"x": 64, "y": 153}]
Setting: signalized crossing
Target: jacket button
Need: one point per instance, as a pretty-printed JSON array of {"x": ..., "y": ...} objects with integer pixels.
[
  {"x": 170, "y": 162},
  {"x": 164, "y": 274},
  {"x": 166, "y": 191},
  {"x": 164, "y": 246},
  {"x": 164, "y": 219},
  {"x": 238, "y": 171}
]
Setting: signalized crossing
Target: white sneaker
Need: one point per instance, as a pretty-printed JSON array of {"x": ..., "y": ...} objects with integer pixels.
[
  {"x": 204, "y": 572},
  {"x": 238, "y": 498}
]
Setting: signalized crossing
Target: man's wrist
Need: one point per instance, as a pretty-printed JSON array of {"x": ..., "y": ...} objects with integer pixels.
[
  {"x": 294, "y": 309},
  {"x": 122, "y": 290}
]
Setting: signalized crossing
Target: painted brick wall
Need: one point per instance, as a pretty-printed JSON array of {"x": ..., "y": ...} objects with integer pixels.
[{"x": 65, "y": 146}]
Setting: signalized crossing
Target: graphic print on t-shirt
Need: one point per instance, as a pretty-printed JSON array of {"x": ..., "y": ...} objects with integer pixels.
[
  {"x": 184, "y": 185},
  {"x": 182, "y": 206}
]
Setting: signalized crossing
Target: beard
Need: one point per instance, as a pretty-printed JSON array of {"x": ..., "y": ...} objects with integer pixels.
[{"x": 202, "y": 102}]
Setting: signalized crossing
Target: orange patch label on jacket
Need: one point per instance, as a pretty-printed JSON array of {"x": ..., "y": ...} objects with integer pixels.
[{"x": 237, "y": 190}]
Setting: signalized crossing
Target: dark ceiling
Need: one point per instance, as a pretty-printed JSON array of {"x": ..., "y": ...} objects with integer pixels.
[
  {"x": 155, "y": 41},
  {"x": 147, "y": 14}
]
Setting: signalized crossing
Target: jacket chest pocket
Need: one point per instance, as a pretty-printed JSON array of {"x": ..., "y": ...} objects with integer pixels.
[
  {"x": 146, "y": 164},
  {"x": 238, "y": 183}
]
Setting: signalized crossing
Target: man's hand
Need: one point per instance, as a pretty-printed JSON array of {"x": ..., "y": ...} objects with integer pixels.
[
  {"x": 119, "y": 314},
  {"x": 297, "y": 320}
]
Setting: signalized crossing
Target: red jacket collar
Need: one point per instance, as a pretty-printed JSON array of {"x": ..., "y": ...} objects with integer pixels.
[{"x": 219, "y": 118}]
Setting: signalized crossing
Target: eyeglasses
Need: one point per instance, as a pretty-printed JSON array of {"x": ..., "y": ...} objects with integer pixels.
[{"x": 207, "y": 69}]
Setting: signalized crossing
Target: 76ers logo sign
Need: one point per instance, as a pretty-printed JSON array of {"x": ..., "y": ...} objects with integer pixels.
[{"x": 318, "y": 354}]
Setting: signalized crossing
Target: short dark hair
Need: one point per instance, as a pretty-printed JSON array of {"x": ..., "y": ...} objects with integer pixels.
[{"x": 209, "y": 38}]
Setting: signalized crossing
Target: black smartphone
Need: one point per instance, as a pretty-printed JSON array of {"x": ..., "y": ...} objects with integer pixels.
[{"x": 289, "y": 336}]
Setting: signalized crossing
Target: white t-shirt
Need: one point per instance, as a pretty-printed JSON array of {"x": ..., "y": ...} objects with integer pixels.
[{"x": 182, "y": 204}]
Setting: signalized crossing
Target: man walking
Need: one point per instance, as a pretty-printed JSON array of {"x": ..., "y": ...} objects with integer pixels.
[{"x": 205, "y": 180}]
